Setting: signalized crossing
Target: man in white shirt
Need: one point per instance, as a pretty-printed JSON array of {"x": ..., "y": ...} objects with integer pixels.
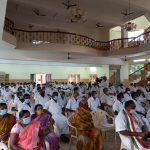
[
  {"x": 73, "y": 102},
  {"x": 121, "y": 88},
  {"x": 107, "y": 101},
  {"x": 127, "y": 95},
  {"x": 93, "y": 101},
  {"x": 22, "y": 102},
  {"x": 128, "y": 125},
  {"x": 112, "y": 89},
  {"x": 60, "y": 120},
  {"x": 104, "y": 82},
  {"x": 40, "y": 97},
  {"x": 148, "y": 115},
  {"x": 118, "y": 105},
  {"x": 6, "y": 96}
]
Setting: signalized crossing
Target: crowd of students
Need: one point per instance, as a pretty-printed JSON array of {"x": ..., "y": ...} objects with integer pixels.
[{"x": 30, "y": 114}]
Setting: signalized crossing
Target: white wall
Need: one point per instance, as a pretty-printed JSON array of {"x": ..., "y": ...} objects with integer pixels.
[
  {"x": 17, "y": 71},
  {"x": 115, "y": 33}
]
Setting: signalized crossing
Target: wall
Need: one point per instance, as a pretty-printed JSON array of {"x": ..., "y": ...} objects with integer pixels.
[
  {"x": 142, "y": 22},
  {"x": 22, "y": 72},
  {"x": 115, "y": 33}
]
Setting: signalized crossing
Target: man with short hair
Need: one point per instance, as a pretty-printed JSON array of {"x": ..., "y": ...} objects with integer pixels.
[
  {"x": 93, "y": 101},
  {"x": 118, "y": 105},
  {"x": 130, "y": 128},
  {"x": 55, "y": 109}
]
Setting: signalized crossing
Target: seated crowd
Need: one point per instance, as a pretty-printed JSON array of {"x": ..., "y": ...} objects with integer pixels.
[{"x": 34, "y": 116}]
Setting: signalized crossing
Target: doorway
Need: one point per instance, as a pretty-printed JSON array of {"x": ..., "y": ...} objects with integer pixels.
[{"x": 40, "y": 78}]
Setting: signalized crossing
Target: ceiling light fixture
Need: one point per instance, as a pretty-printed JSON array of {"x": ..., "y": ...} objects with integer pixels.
[
  {"x": 129, "y": 26},
  {"x": 139, "y": 60},
  {"x": 78, "y": 15}
]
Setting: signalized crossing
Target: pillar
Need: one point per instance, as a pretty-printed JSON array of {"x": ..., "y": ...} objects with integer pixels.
[{"x": 125, "y": 74}]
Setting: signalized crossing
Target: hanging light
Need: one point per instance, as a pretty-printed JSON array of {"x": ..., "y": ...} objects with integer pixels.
[
  {"x": 129, "y": 26},
  {"x": 78, "y": 15}
]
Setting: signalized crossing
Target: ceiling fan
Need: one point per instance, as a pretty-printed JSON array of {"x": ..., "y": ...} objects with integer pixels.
[
  {"x": 98, "y": 25},
  {"x": 68, "y": 56},
  {"x": 30, "y": 26},
  {"x": 69, "y": 5},
  {"x": 126, "y": 13},
  {"x": 38, "y": 13}
]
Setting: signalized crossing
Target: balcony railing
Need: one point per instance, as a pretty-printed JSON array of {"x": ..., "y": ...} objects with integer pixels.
[{"x": 39, "y": 37}]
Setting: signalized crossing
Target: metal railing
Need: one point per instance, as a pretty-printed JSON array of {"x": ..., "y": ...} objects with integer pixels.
[
  {"x": 140, "y": 74},
  {"x": 39, "y": 37}
]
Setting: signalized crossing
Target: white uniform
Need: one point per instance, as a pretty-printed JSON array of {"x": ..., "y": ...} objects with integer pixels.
[
  {"x": 121, "y": 125},
  {"x": 148, "y": 115},
  {"x": 117, "y": 106},
  {"x": 39, "y": 99},
  {"x": 73, "y": 104},
  {"x": 93, "y": 103},
  {"x": 22, "y": 106},
  {"x": 108, "y": 99},
  {"x": 127, "y": 97},
  {"x": 6, "y": 96},
  {"x": 60, "y": 119},
  {"x": 121, "y": 89}
]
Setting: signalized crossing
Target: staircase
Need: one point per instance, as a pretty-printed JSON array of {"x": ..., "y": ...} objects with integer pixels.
[{"x": 141, "y": 76}]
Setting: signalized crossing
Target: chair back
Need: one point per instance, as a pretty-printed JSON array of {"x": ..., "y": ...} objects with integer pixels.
[
  {"x": 74, "y": 129},
  {"x": 99, "y": 118},
  {"x": 3, "y": 146}
]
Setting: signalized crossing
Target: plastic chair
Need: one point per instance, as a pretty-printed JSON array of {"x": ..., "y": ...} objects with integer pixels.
[
  {"x": 3, "y": 146},
  {"x": 47, "y": 145},
  {"x": 100, "y": 121},
  {"x": 75, "y": 135},
  {"x": 124, "y": 147}
]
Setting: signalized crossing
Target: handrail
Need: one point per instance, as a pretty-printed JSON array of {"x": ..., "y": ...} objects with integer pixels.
[
  {"x": 39, "y": 37},
  {"x": 140, "y": 69},
  {"x": 82, "y": 35}
]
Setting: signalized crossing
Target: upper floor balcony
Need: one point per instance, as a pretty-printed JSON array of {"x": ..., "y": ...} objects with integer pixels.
[{"x": 57, "y": 37}]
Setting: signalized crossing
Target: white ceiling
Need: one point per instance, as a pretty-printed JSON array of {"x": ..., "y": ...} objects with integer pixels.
[{"x": 107, "y": 12}]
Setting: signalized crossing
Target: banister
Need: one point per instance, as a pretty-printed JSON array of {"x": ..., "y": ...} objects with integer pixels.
[
  {"x": 139, "y": 69},
  {"x": 77, "y": 39},
  {"x": 120, "y": 39}
]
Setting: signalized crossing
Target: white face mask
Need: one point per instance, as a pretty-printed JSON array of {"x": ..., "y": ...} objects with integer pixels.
[
  {"x": 55, "y": 98},
  {"x": 129, "y": 92},
  {"x": 132, "y": 111}
]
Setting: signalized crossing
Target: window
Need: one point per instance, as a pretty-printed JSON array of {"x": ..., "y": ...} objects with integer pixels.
[{"x": 132, "y": 34}]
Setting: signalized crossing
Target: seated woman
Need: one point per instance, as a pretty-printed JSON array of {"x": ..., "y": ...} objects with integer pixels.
[
  {"x": 7, "y": 121},
  {"x": 89, "y": 138},
  {"x": 25, "y": 134},
  {"x": 46, "y": 124}
]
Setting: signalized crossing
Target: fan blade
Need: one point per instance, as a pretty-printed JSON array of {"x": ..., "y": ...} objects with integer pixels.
[{"x": 65, "y": 4}]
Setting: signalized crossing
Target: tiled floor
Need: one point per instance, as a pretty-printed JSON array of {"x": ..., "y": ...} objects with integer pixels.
[{"x": 110, "y": 143}]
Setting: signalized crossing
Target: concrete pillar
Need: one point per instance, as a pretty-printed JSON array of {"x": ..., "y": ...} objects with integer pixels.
[
  {"x": 3, "y": 4},
  {"x": 125, "y": 73},
  {"x": 124, "y": 34}
]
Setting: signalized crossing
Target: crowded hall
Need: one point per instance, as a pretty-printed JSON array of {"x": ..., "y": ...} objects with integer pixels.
[{"x": 74, "y": 75}]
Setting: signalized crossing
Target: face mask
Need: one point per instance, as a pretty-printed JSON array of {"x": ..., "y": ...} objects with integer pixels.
[
  {"x": 55, "y": 98},
  {"x": 132, "y": 111},
  {"x": 3, "y": 112},
  {"x": 39, "y": 112},
  {"x": 26, "y": 101},
  {"x": 107, "y": 93},
  {"x": 122, "y": 100},
  {"x": 7, "y": 90},
  {"x": 129, "y": 92},
  {"x": 21, "y": 97},
  {"x": 26, "y": 120}
]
